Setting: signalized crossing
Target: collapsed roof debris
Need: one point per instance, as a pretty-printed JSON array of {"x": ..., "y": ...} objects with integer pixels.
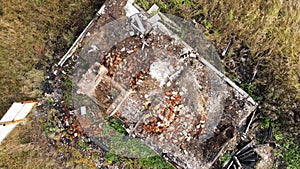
[
  {"x": 246, "y": 157},
  {"x": 151, "y": 74}
]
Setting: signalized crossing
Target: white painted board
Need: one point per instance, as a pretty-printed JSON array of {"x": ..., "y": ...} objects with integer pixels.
[{"x": 17, "y": 111}]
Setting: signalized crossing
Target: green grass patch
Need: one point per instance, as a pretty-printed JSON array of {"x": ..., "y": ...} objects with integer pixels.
[
  {"x": 225, "y": 157},
  {"x": 117, "y": 126},
  {"x": 154, "y": 162},
  {"x": 290, "y": 153},
  {"x": 144, "y": 4},
  {"x": 129, "y": 151}
]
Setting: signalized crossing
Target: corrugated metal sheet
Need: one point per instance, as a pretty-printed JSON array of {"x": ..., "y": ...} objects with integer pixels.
[{"x": 15, "y": 114}]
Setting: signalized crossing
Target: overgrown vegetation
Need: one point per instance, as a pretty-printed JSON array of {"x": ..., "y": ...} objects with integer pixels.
[
  {"x": 263, "y": 58},
  {"x": 33, "y": 32}
]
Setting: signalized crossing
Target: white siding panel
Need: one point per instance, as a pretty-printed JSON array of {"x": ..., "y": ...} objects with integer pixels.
[
  {"x": 12, "y": 112},
  {"x": 5, "y": 130},
  {"x": 24, "y": 112},
  {"x": 17, "y": 111}
]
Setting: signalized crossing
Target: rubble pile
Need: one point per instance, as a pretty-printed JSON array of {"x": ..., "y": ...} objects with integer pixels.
[
  {"x": 60, "y": 123},
  {"x": 161, "y": 89},
  {"x": 134, "y": 67}
]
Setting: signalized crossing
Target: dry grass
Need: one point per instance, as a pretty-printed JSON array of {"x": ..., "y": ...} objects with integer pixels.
[
  {"x": 27, "y": 148},
  {"x": 21, "y": 150},
  {"x": 31, "y": 33},
  {"x": 269, "y": 28}
]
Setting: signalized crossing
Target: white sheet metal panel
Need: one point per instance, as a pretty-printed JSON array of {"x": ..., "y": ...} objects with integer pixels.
[
  {"x": 83, "y": 110},
  {"x": 25, "y": 110},
  {"x": 17, "y": 111},
  {"x": 14, "y": 109},
  {"x": 5, "y": 130}
]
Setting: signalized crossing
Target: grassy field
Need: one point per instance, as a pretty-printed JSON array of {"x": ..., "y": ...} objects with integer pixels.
[
  {"x": 264, "y": 58},
  {"x": 32, "y": 33},
  {"x": 27, "y": 148}
]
